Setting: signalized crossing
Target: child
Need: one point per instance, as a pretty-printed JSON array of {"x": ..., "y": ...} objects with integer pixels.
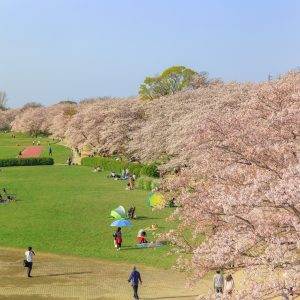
[{"x": 118, "y": 238}]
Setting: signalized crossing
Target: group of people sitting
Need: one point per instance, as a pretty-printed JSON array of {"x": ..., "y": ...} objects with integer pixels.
[
  {"x": 9, "y": 198},
  {"x": 114, "y": 175},
  {"x": 124, "y": 175}
]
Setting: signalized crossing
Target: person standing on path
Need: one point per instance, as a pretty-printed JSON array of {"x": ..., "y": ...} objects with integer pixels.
[
  {"x": 135, "y": 278},
  {"x": 218, "y": 282},
  {"x": 29, "y": 254},
  {"x": 229, "y": 284}
]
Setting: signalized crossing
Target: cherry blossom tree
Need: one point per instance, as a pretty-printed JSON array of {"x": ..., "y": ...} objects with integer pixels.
[
  {"x": 6, "y": 117},
  {"x": 106, "y": 126},
  {"x": 58, "y": 118},
  {"x": 30, "y": 120},
  {"x": 239, "y": 199}
]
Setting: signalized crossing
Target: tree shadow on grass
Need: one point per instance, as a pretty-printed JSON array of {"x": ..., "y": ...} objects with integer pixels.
[
  {"x": 126, "y": 248},
  {"x": 146, "y": 218},
  {"x": 135, "y": 248},
  {"x": 63, "y": 274}
]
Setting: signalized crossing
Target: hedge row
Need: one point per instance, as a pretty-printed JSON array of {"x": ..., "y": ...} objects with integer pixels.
[
  {"x": 9, "y": 162},
  {"x": 110, "y": 164}
]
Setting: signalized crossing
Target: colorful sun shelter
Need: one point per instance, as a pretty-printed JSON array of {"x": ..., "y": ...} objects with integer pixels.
[
  {"x": 121, "y": 223},
  {"x": 118, "y": 213},
  {"x": 156, "y": 200}
]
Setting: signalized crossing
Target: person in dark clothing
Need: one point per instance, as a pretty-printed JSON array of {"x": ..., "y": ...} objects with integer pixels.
[
  {"x": 135, "y": 278},
  {"x": 131, "y": 212},
  {"x": 172, "y": 202},
  {"x": 10, "y": 198},
  {"x": 50, "y": 151}
]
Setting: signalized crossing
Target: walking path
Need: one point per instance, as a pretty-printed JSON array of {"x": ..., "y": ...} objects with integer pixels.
[
  {"x": 58, "y": 277},
  {"x": 32, "y": 151},
  {"x": 76, "y": 157}
]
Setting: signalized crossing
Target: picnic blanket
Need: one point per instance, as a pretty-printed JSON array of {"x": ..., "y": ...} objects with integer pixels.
[{"x": 149, "y": 245}]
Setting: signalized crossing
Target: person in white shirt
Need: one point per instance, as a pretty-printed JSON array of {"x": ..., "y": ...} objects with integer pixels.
[
  {"x": 229, "y": 284},
  {"x": 218, "y": 282},
  {"x": 29, "y": 255}
]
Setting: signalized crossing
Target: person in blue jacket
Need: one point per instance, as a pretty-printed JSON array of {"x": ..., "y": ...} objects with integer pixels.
[{"x": 135, "y": 278}]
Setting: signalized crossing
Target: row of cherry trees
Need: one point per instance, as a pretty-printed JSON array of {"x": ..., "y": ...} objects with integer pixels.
[
  {"x": 241, "y": 192},
  {"x": 240, "y": 188},
  {"x": 159, "y": 130}
]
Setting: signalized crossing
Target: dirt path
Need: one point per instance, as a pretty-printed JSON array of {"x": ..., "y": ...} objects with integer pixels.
[
  {"x": 59, "y": 277},
  {"x": 76, "y": 157},
  {"x": 32, "y": 151}
]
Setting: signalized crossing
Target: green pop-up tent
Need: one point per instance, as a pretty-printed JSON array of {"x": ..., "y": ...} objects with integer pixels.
[{"x": 118, "y": 213}]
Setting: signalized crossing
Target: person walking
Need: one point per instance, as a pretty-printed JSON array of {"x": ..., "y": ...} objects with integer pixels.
[
  {"x": 50, "y": 151},
  {"x": 135, "y": 278},
  {"x": 229, "y": 284},
  {"x": 218, "y": 282},
  {"x": 29, "y": 255}
]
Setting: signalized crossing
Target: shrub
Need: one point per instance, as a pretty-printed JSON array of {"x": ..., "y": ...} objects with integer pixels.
[
  {"x": 9, "y": 162},
  {"x": 147, "y": 183},
  {"x": 150, "y": 170},
  {"x": 110, "y": 164}
]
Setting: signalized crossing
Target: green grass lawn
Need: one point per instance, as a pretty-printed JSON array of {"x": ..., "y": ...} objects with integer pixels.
[
  {"x": 10, "y": 147},
  {"x": 65, "y": 210}
]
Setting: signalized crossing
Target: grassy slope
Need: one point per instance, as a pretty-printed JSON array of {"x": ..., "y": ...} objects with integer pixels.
[
  {"x": 65, "y": 210},
  {"x": 59, "y": 153}
]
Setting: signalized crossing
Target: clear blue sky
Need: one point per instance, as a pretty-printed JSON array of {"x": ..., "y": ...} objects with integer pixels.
[{"x": 53, "y": 50}]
